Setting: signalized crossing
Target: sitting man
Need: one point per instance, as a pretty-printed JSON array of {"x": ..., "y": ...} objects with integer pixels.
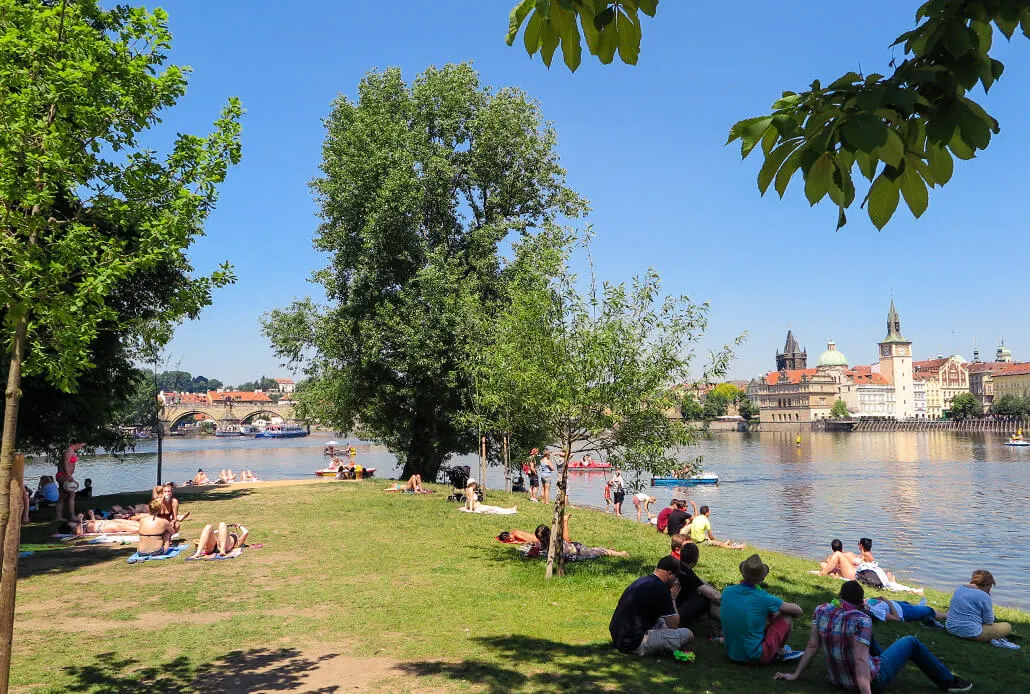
[
  {"x": 701, "y": 532},
  {"x": 680, "y": 518},
  {"x": 663, "y": 515},
  {"x": 756, "y": 624},
  {"x": 839, "y": 563},
  {"x": 696, "y": 598},
  {"x": 645, "y": 620},
  {"x": 201, "y": 477},
  {"x": 848, "y": 635}
]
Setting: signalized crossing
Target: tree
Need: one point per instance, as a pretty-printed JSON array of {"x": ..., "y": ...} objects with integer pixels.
[
  {"x": 839, "y": 409},
  {"x": 594, "y": 369},
  {"x": 728, "y": 392},
  {"x": 84, "y": 207},
  {"x": 690, "y": 408},
  {"x": 420, "y": 184},
  {"x": 747, "y": 409},
  {"x": 965, "y": 406},
  {"x": 1010, "y": 405},
  {"x": 716, "y": 405},
  {"x": 901, "y": 130}
]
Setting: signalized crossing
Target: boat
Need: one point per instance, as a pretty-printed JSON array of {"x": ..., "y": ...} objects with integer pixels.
[
  {"x": 282, "y": 431},
  {"x": 249, "y": 430},
  {"x": 703, "y": 478},
  {"x": 587, "y": 465},
  {"x": 228, "y": 430},
  {"x": 1017, "y": 439}
]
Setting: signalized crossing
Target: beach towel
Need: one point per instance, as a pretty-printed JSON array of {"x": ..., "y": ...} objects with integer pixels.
[
  {"x": 172, "y": 552},
  {"x": 888, "y": 584},
  {"x": 491, "y": 510},
  {"x": 217, "y": 557}
]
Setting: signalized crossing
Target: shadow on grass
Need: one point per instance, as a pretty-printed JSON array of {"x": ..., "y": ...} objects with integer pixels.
[
  {"x": 68, "y": 559},
  {"x": 236, "y": 672}
]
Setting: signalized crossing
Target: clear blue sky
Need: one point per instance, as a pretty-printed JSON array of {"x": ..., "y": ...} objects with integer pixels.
[{"x": 645, "y": 145}]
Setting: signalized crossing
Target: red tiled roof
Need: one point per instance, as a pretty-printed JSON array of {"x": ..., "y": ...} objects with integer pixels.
[
  {"x": 929, "y": 364},
  {"x": 869, "y": 379},
  {"x": 284, "y": 380},
  {"x": 924, "y": 375},
  {"x": 858, "y": 370},
  {"x": 1019, "y": 369},
  {"x": 192, "y": 398},
  {"x": 793, "y": 375},
  {"x": 238, "y": 396}
]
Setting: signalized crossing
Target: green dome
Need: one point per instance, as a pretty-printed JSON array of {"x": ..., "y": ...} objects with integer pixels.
[{"x": 831, "y": 357}]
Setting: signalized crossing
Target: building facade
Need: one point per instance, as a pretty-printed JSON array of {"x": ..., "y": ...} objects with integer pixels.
[
  {"x": 1012, "y": 381},
  {"x": 945, "y": 377},
  {"x": 792, "y": 358},
  {"x": 896, "y": 366}
]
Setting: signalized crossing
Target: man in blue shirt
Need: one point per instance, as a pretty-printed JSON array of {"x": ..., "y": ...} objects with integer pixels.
[{"x": 755, "y": 624}]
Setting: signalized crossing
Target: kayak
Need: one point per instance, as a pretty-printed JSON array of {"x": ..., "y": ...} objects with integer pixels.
[{"x": 704, "y": 478}]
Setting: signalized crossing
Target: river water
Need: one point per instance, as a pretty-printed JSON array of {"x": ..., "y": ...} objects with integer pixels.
[{"x": 937, "y": 504}]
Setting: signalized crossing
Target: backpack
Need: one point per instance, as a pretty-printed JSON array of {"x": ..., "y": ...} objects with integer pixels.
[{"x": 869, "y": 578}]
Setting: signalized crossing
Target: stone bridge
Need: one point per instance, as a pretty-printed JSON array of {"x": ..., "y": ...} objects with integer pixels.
[{"x": 172, "y": 416}]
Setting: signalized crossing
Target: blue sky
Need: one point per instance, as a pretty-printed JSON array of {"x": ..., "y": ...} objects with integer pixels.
[{"x": 645, "y": 145}]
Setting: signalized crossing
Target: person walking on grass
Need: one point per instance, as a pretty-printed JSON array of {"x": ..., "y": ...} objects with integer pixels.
[
  {"x": 645, "y": 621},
  {"x": 971, "y": 613},
  {"x": 756, "y": 624},
  {"x": 847, "y": 633}
]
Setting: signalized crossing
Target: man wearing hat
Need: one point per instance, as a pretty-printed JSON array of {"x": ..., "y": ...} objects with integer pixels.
[
  {"x": 847, "y": 632},
  {"x": 645, "y": 620},
  {"x": 756, "y": 624}
]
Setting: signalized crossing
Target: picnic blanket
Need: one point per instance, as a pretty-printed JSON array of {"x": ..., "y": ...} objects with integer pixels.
[
  {"x": 218, "y": 557},
  {"x": 172, "y": 552}
]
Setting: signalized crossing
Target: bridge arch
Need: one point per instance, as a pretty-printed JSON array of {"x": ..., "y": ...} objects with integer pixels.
[
  {"x": 189, "y": 416},
  {"x": 266, "y": 413}
]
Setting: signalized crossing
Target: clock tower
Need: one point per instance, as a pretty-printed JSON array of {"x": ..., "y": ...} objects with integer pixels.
[{"x": 896, "y": 366}]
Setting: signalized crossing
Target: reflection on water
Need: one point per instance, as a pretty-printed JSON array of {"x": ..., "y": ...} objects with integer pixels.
[{"x": 936, "y": 504}]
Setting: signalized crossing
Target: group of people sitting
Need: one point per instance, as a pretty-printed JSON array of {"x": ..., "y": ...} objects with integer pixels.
[
  {"x": 861, "y": 566},
  {"x": 695, "y": 523},
  {"x": 226, "y": 476},
  {"x": 655, "y": 613}
]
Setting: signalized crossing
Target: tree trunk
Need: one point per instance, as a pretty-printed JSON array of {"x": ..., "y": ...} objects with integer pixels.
[
  {"x": 554, "y": 551},
  {"x": 482, "y": 461},
  {"x": 507, "y": 464},
  {"x": 10, "y": 527}
]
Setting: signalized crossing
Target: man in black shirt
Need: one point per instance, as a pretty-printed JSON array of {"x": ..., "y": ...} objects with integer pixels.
[
  {"x": 696, "y": 598},
  {"x": 645, "y": 620},
  {"x": 680, "y": 518}
]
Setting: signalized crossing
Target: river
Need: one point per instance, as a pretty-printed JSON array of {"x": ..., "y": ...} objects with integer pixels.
[{"x": 937, "y": 504}]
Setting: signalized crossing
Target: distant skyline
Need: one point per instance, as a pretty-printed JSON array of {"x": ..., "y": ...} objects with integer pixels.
[{"x": 645, "y": 145}]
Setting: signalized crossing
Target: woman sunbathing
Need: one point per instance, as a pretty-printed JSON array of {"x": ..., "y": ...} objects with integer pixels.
[
  {"x": 472, "y": 504},
  {"x": 573, "y": 550},
  {"x": 85, "y": 525},
  {"x": 226, "y": 477},
  {"x": 248, "y": 476},
  {"x": 155, "y": 531},
  {"x": 221, "y": 541},
  {"x": 413, "y": 486}
]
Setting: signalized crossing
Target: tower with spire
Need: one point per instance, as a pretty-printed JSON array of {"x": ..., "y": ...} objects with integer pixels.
[
  {"x": 896, "y": 365},
  {"x": 792, "y": 356}
]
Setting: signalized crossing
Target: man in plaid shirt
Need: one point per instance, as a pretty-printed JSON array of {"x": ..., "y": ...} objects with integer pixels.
[{"x": 847, "y": 633}]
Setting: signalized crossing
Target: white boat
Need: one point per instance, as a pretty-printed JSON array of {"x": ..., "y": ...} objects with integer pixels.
[{"x": 282, "y": 431}]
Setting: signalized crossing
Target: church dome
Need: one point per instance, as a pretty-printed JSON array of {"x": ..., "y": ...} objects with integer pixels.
[{"x": 831, "y": 357}]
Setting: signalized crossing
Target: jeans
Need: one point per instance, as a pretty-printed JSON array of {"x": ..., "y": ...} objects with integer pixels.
[
  {"x": 916, "y": 613},
  {"x": 893, "y": 659}
]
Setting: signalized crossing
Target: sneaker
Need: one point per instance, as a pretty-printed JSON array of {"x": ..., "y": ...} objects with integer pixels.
[
  {"x": 959, "y": 685},
  {"x": 933, "y": 624},
  {"x": 537, "y": 501},
  {"x": 1004, "y": 643},
  {"x": 789, "y": 655}
]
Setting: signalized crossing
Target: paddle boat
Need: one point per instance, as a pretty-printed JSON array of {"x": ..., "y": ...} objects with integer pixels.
[
  {"x": 1017, "y": 440},
  {"x": 588, "y": 464},
  {"x": 703, "y": 478}
]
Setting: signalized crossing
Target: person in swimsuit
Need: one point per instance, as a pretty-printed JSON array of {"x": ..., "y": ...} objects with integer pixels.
[
  {"x": 573, "y": 550},
  {"x": 88, "y": 525},
  {"x": 838, "y": 563},
  {"x": 201, "y": 477},
  {"x": 155, "y": 531},
  {"x": 170, "y": 506},
  {"x": 618, "y": 486},
  {"x": 248, "y": 476},
  {"x": 226, "y": 477},
  {"x": 221, "y": 541},
  {"x": 413, "y": 485},
  {"x": 66, "y": 484},
  {"x": 547, "y": 470}
]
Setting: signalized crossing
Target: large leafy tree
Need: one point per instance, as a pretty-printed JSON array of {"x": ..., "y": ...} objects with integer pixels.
[
  {"x": 595, "y": 368},
  {"x": 84, "y": 208},
  {"x": 901, "y": 131},
  {"x": 1010, "y": 405},
  {"x": 420, "y": 184},
  {"x": 965, "y": 406}
]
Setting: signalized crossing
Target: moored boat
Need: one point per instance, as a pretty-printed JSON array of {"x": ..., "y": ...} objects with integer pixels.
[
  {"x": 585, "y": 465},
  {"x": 282, "y": 431},
  {"x": 703, "y": 478}
]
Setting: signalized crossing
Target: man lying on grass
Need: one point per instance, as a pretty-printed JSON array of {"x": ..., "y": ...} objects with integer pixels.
[
  {"x": 645, "y": 621},
  {"x": 851, "y": 663}
]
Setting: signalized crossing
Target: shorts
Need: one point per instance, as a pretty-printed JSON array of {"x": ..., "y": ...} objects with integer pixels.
[
  {"x": 155, "y": 553},
  {"x": 776, "y": 634},
  {"x": 619, "y": 497},
  {"x": 534, "y": 481}
]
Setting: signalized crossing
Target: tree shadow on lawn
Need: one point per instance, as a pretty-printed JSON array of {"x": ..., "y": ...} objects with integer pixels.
[
  {"x": 67, "y": 559},
  {"x": 237, "y": 672}
]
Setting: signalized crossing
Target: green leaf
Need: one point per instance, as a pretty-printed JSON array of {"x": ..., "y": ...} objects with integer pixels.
[
  {"x": 629, "y": 37},
  {"x": 866, "y": 164},
  {"x": 773, "y": 161},
  {"x": 864, "y": 131},
  {"x": 769, "y": 139},
  {"x": 572, "y": 51},
  {"x": 959, "y": 147},
  {"x": 842, "y": 219},
  {"x": 648, "y": 7},
  {"x": 1024, "y": 21},
  {"x": 974, "y": 130},
  {"x": 749, "y": 130},
  {"x": 548, "y": 42},
  {"x": 607, "y": 44},
  {"x": 914, "y": 190},
  {"x": 531, "y": 36},
  {"x": 791, "y": 165},
  {"x": 941, "y": 163},
  {"x": 1006, "y": 26},
  {"x": 518, "y": 15},
  {"x": 604, "y": 18},
  {"x": 883, "y": 199},
  {"x": 893, "y": 150},
  {"x": 845, "y": 80},
  {"x": 956, "y": 39},
  {"x": 984, "y": 35}
]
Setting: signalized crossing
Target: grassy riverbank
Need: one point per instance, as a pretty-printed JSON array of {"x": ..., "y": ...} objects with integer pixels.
[{"x": 363, "y": 590}]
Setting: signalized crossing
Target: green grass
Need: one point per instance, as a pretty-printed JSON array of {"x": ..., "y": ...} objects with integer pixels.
[{"x": 348, "y": 569}]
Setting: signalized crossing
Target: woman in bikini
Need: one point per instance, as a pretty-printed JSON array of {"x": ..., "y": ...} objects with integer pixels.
[
  {"x": 221, "y": 541},
  {"x": 88, "y": 525},
  {"x": 170, "y": 506},
  {"x": 155, "y": 531}
]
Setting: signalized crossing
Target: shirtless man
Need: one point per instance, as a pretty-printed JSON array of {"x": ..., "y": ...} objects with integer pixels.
[
  {"x": 201, "y": 478},
  {"x": 839, "y": 563}
]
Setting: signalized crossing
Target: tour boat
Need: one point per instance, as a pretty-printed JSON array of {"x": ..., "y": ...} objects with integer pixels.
[
  {"x": 250, "y": 430},
  {"x": 703, "y": 478},
  {"x": 228, "y": 430},
  {"x": 282, "y": 431},
  {"x": 591, "y": 464}
]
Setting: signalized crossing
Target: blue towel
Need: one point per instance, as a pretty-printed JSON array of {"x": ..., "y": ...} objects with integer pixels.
[
  {"x": 172, "y": 552},
  {"x": 218, "y": 557}
]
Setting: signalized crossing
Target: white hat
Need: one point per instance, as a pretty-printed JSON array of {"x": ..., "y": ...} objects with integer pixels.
[{"x": 470, "y": 482}]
